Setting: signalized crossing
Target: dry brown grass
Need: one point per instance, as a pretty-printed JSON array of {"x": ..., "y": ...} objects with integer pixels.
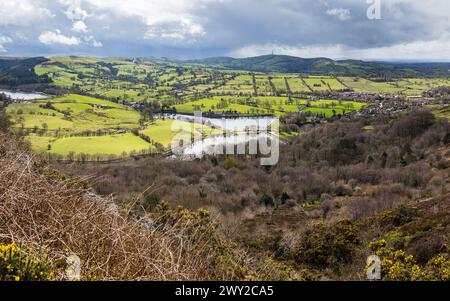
[{"x": 57, "y": 217}]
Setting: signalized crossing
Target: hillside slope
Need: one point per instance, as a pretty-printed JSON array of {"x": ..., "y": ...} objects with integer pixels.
[
  {"x": 291, "y": 64},
  {"x": 20, "y": 71},
  {"x": 52, "y": 217}
]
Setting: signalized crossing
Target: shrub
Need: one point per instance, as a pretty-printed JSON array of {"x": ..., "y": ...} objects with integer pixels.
[
  {"x": 229, "y": 163},
  {"x": 343, "y": 190},
  {"x": 62, "y": 215},
  {"x": 17, "y": 265},
  {"x": 438, "y": 268},
  {"x": 403, "y": 215},
  {"x": 284, "y": 197},
  {"x": 323, "y": 246},
  {"x": 273, "y": 270},
  {"x": 199, "y": 228},
  {"x": 267, "y": 200},
  {"x": 396, "y": 265},
  {"x": 399, "y": 217},
  {"x": 413, "y": 124}
]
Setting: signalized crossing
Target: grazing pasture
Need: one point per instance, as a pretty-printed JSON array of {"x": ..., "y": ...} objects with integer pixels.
[
  {"x": 406, "y": 86},
  {"x": 73, "y": 114},
  {"x": 269, "y": 105},
  {"x": 57, "y": 125},
  {"x": 164, "y": 131},
  {"x": 119, "y": 89},
  {"x": 105, "y": 145}
]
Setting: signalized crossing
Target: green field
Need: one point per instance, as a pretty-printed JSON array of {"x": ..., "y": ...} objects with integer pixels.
[
  {"x": 62, "y": 123},
  {"x": 105, "y": 145},
  {"x": 323, "y": 83},
  {"x": 440, "y": 111},
  {"x": 72, "y": 114},
  {"x": 84, "y": 124},
  {"x": 243, "y": 84},
  {"x": 269, "y": 105},
  {"x": 409, "y": 86},
  {"x": 129, "y": 81},
  {"x": 58, "y": 126},
  {"x": 220, "y": 104},
  {"x": 39, "y": 143},
  {"x": 164, "y": 131}
]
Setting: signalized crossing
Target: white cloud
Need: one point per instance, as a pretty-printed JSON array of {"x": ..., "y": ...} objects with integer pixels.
[
  {"x": 50, "y": 37},
  {"x": 79, "y": 26},
  {"x": 175, "y": 31},
  {"x": 97, "y": 44},
  {"x": 185, "y": 28},
  {"x": 4, "y": 40},
  {"x": 166, "y": 20},
  {"x": 22, "y": 12},
  {"x": 341, "y": 13},
  {"x": 436, "y": 50},
  {"x": 74, "y": 11},
  {"x": 91, "y": 40}
]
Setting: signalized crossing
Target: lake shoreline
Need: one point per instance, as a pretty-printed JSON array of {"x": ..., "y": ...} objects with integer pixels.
[{"x": 24, "y": 96}]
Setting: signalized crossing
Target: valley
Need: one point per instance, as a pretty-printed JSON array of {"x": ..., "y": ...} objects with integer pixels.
[
  {"x": 362, "y": 168},
  {"x": 224, "y": 148},
  {"x": 106, "y": 101}
]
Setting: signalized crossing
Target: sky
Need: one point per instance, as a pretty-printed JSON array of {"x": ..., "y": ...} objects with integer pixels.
[{"x": 392, "y": 30}]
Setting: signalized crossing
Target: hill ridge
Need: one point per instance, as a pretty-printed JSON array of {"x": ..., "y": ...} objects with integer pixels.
[{"x": 322, "y": 65}]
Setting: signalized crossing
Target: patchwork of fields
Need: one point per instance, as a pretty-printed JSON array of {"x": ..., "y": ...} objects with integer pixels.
[
  {"x": 74, "y": 124},
  {"x": 109, "y": 123},
  {"x": 77, "y": 127},
  {"x": 73, "y": 114},
  {"x": 440, "y": 111},
  {"x": 408, "y": 86},
  {"x": 277, "y": 106},
  {"x": 137, "y": 80}
]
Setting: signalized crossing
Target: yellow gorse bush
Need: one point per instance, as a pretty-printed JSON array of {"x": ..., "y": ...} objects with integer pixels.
[
  {"x": 438, "y": 268},
  {"x": 17, "y": 264},
  {"x": 396, "y": 265},
  {"x": 201, "y": 230}
]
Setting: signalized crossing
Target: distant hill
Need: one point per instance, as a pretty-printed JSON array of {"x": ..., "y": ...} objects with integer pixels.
[
  {"x": 20, "y": 71},
  {"x": 291, "y": 64},
  {"x": 273, "y": 63}
]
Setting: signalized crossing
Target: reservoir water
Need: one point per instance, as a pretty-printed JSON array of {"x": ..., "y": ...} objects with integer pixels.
[
  {"x": 255, "y": 132},
  {"x": 232, "y": 124},
  {"x": 23, "y": 96}
]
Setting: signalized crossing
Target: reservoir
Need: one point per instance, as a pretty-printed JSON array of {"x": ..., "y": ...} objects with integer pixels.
[
  {"x": 23, "y": 96},
  {"x": 241, "y": 131}
]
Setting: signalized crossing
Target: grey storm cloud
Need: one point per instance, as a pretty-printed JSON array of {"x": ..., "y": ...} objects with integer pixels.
[{"x": 202, "y": 28}]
